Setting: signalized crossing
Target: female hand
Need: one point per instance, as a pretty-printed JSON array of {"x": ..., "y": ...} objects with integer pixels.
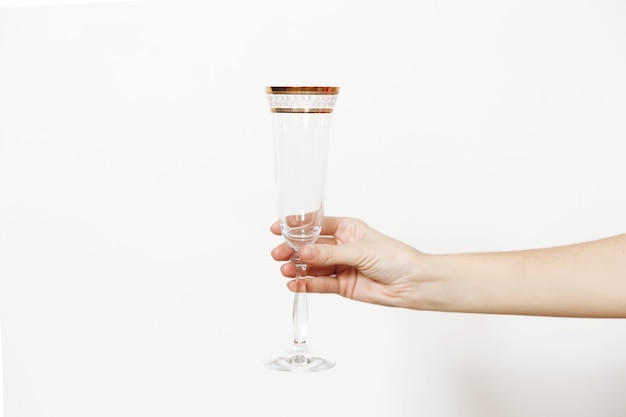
[
  {"x": 351, "y": 259},
  {"x": 355, "y": 261}
]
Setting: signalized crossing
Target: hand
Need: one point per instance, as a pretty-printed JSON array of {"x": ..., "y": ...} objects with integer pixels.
[{"x": 355, "y": 261}]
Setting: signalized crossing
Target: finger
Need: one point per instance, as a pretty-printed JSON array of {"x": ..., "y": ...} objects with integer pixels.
[
  {"x": 275, "y": 228},
  {"x": 326, "y": 255},
  {"x": 330, "y": 225},
  {"x": 326, "y": 240},
  {"x": 320, "y": 285},
  {"x": 282, "y": 252},
  {"x": 288, "y": 270},
  {"x": 317, "y": 271}
]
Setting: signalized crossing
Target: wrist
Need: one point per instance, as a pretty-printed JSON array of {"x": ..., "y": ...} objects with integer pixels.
[{"x": 440, "y": 287}]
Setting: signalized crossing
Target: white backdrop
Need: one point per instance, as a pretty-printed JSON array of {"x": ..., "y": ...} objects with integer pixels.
[{"x": 136, "y": 192}]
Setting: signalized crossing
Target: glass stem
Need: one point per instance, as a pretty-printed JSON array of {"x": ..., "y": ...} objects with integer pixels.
[{"x": 300, "y": 303}]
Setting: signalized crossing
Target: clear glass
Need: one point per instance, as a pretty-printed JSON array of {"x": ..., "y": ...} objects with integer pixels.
[{"x": 301, "y": 123}]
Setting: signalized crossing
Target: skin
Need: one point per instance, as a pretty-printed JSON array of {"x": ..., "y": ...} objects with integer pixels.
[{"x": 355, "y": 261}]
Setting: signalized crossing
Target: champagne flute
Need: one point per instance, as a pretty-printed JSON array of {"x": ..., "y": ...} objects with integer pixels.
[{"x": 301, "y": 123}]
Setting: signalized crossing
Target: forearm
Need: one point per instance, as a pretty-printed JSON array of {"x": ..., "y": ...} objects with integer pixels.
[{"x": 583, "y": 280}]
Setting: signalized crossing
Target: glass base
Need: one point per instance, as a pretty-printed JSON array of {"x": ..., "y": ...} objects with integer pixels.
[{"x": 299, "y": 358}]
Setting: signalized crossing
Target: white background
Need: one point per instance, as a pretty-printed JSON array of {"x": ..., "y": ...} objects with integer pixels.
[{"x": 136, "y": 192}]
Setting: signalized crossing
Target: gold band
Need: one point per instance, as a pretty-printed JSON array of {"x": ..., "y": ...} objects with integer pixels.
[
  {"x": 333, "y": 91},
  {"x": 286, "y": 110}
]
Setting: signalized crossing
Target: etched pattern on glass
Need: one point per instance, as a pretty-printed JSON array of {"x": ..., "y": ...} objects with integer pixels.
[{"x": 301, "y": 101}]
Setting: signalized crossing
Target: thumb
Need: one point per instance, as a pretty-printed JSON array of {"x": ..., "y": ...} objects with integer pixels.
[{"x": 326, "y": 255}]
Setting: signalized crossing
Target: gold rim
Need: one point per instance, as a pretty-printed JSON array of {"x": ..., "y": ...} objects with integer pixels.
[
  {"x": 284, "y": 110},
  {"x": 331, "y": 91}
]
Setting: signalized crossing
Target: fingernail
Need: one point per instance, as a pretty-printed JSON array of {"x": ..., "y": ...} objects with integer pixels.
[{"x": 309, "y": 252}]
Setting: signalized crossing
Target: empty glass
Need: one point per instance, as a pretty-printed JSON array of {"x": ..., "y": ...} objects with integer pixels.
[{"x": 301, "y": 123}]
